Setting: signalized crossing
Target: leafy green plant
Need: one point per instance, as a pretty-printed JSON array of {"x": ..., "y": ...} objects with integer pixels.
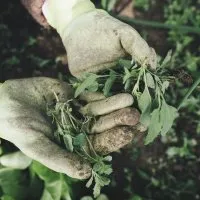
[
  {"x": 178, "y": 13},
  {"x": 147, "y": 87},
  {"x": 13, "y": 183},
  {"x": 142, "y": 4},
  {"x": 72, "y": 132},
  {"x": 56, "y": 185},
  {"x": 184, "y": 150}
]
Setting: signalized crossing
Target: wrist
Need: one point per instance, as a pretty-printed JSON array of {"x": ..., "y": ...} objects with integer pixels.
[{"x": 59, "y": 13}]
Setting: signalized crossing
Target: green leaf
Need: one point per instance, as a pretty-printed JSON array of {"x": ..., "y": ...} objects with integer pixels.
[
  {"x": 86, "y": 198},
  {"x": 97, "y": 167},
  {"x": 6, "y": 197},
  {"x": 102, "y": 197},
  {"x": 127, "y": 84},
  {"x": 96, "y": 189},
  {"x": 111, "y": 4},
  {"x": 107, "y": 158},
  {"x": 165, "y": 85},
  {"x": 144, "y": 103},
  {"x": 127, "y": 78},
  {"x": 102, "y": 168},
  {"x": 155, "y": 182},
  {"x": 109, "y": 83},
  {"x": 88, "y": 82},
  {"x": 108, "y": 171},
  {"x": 136, "y": 197},
  {"x": 167, "y": 116},
  {"x": 145, "y": 116},
  {"x": 94, "y": 87},
  {"x": 125, "y": 63},
  {"x": 68, "y": 142},
  {"x": 104, "y": 181},
  {"x": 167, "y": 58},
  {"x": 31, "y": 41},
  {"x": 143, "y": 175},
  {"x": 105, "y": 169},
  {"x": 57, "y": 136},
  {"x": 12, "y": 61},
  {"x": 42, "y": 63},
  {"x": 56, "y": 186},
  {"x": 154, "y": 127},
  {"x": 127, "y": 75},
  {"x": 89, "y": 183},
  {"x": 144, "y": 100},
  {"x": 100, "y": 181},
  {"x": 150, "y": 81},
  {"x": 80, "y": 140},
  {"x": 172, "y": 151},
  {"x": 14, "y": 183}
]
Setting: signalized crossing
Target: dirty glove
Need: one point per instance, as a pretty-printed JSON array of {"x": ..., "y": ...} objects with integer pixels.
[
  {"x": 35, "y": 9},
  {"x": 24, "y": 122},
  {"x": 93, "y": 39}
]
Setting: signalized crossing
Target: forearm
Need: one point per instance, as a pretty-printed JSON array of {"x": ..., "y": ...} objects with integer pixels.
[
  {"x": 61, "y": 12},
  {"x": 93, "y": 39}
]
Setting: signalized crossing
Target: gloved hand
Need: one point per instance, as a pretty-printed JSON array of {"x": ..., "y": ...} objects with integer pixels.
[
  {"x": 93, "y": 39},
  {"x": 35, "y": 9},
  {"x": 24, "y": 122}
]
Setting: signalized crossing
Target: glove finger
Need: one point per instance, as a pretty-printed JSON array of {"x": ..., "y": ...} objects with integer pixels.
[
  {"x": 31, "y": 138},
  {"x": 107, "y": 105},
  {"x": 40, "y": 91},
  {"x": 51, "y": 155},
  {"x": 91, "y": 96},
  {"x": 112, "y": 140},
  {"x": 137, "y": 47},
  {"x": 126, "y": 116},
  {"x": 16, "y": 160},
  {"x": 141, "y": 128}
]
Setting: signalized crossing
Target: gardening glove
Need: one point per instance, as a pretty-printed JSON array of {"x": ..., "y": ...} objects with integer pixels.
[
  {"x": 16, "y": 160},
  {"x": 35, "y": 9},
  {"x": 93, "y": 39},
  {"x": 24, "y": 122}
]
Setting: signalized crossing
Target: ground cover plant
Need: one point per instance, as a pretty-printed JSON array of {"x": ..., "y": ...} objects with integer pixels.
[{"x": 168, "y": 168}]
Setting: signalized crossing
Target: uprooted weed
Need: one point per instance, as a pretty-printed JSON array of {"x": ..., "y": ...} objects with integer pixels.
[{"x": 71, "y": 132}]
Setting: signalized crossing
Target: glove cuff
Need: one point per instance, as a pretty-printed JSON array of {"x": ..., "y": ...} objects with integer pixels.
[{"x": 60, "y": 13}]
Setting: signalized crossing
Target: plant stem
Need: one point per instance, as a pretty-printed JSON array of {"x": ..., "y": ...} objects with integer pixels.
[
  {"x": 91, "y": 146},
  {"x": 155, "y": 24},
  {"x": 193, "y": 87}
]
